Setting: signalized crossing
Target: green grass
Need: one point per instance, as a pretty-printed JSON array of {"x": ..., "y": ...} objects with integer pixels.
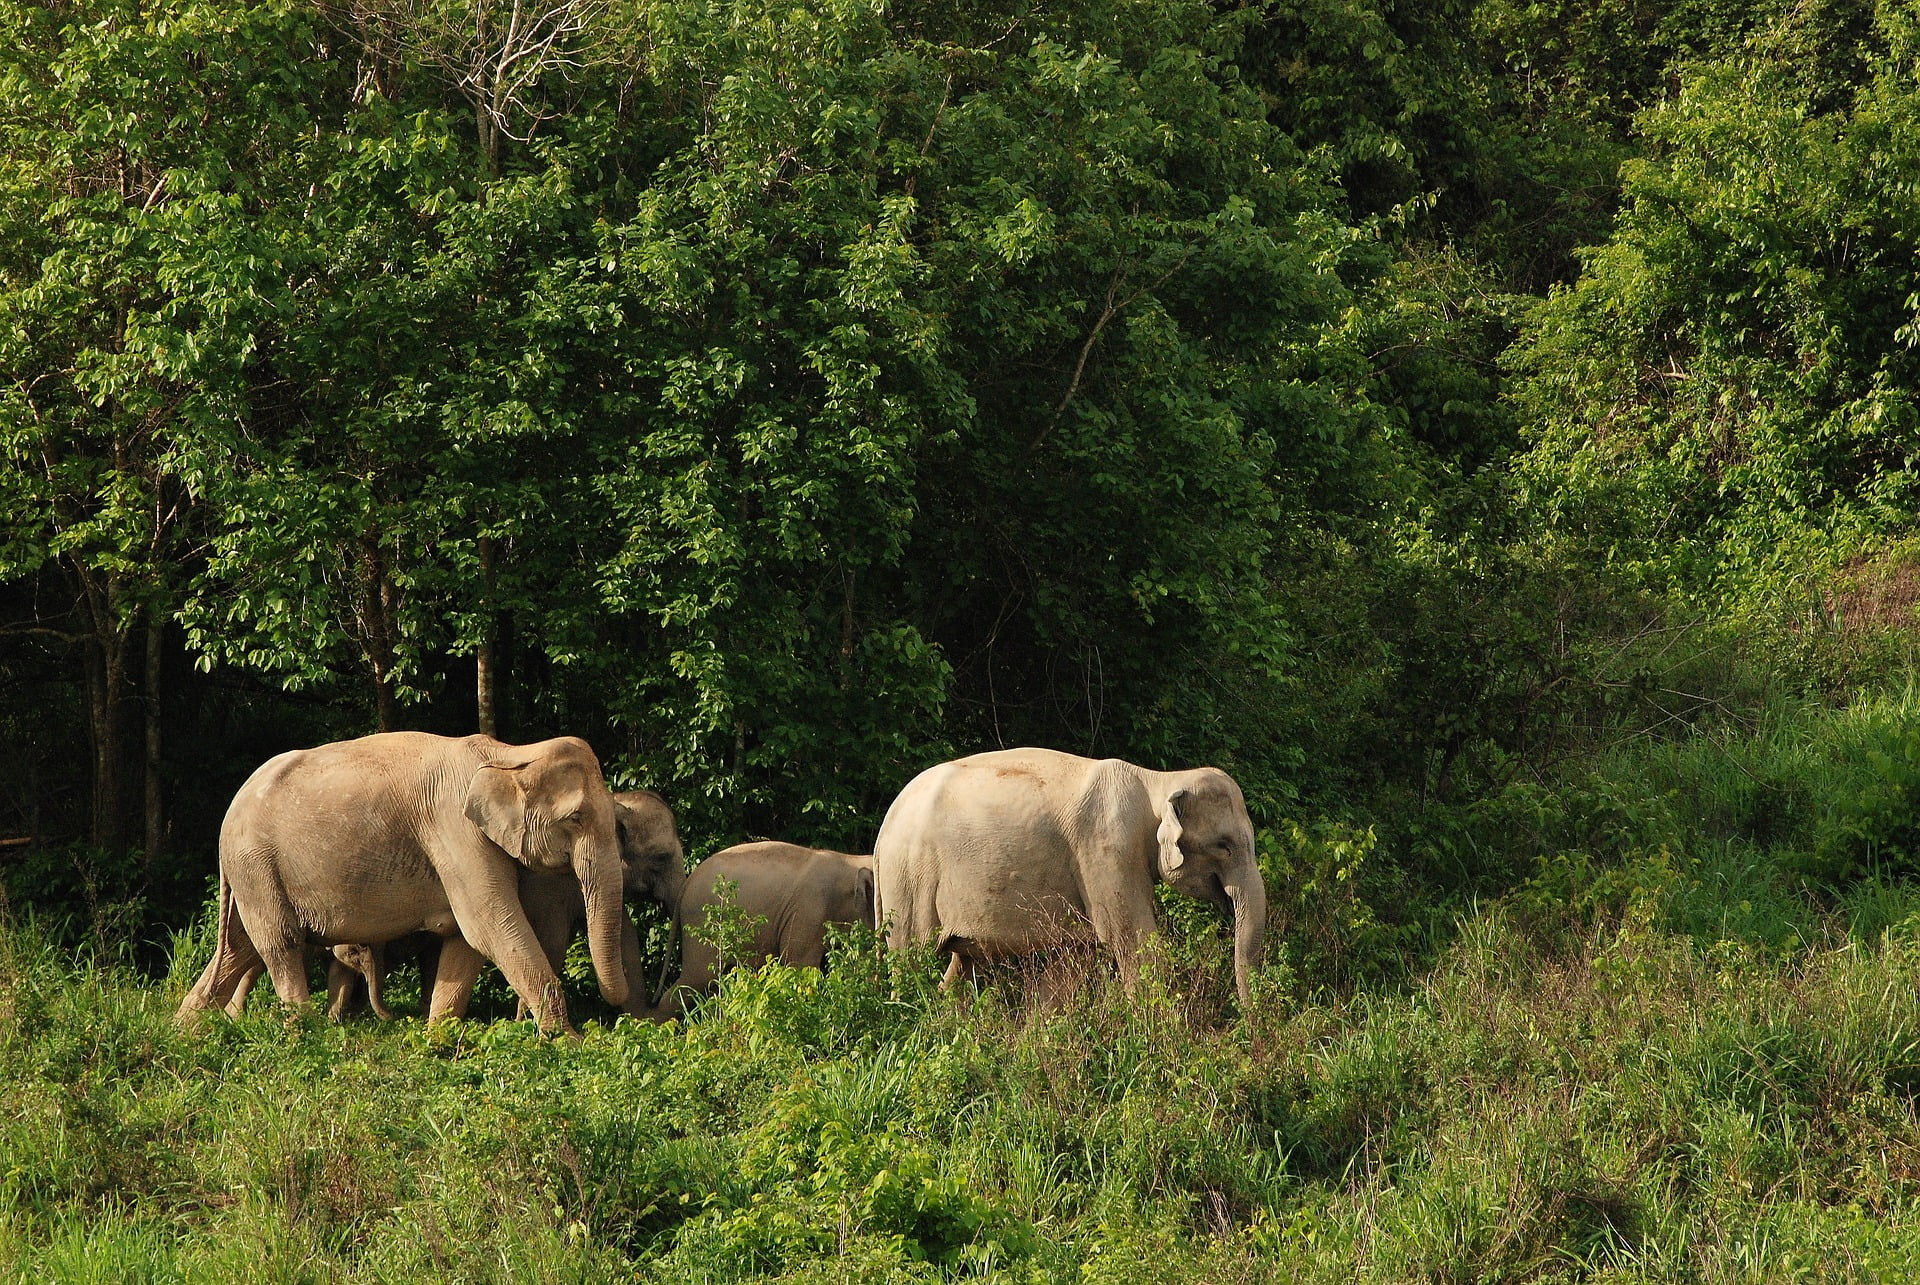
[
  {"x": 1674, "y": 1054},
  {"x": 1627, "y": 1104}
]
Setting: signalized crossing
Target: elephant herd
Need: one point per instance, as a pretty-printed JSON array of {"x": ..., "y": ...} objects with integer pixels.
[{"x": 506, "y": 852}]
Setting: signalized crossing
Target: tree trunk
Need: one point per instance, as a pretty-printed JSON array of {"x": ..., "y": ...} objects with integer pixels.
[
  {"x": 106, "y": 689},
  {"x": 484, "y": 678},
  {"x": 486, "y": 658},
  {"x": 156, "y": 821},
  {"x": 376, "y": 628}
]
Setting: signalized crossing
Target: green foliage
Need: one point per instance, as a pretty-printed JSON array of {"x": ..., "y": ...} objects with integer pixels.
[
  {"x": 894, "y": 380},
  {"x": 728, "y": 927},
  {"x": 1720, "y": 401},
  {"x": 791, "y": 397},
  {"x": 1571, "y": 1086}
]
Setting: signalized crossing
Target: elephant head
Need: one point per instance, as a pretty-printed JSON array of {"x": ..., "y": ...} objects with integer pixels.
[
  {"x": 547, "y": 806},
  {"x": 1205, "y": 841},
  {"x": 656, "y": 864},
  {"x": 650, "y": 848}
]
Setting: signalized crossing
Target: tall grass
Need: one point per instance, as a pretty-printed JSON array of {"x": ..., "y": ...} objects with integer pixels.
[
  {"x": 1677, "y": 1052},
  {"x": 1627, "y": 1104}
]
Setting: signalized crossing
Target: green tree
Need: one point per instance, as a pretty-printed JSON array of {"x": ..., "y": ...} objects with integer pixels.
[
  {"x": 1723, "y": 404},
  {"x": 141, "y": 141}
]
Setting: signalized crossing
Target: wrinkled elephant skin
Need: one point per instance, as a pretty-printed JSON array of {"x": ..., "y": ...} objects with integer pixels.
[
  {"x": 1018, "y": 850},
  {"x": 360, "y": 842}
]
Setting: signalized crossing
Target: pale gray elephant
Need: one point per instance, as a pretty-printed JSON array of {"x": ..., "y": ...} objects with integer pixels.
[
  {"x": 350, "y": 966},
  {"x": 793, "y": 892},
  {"x": 360, "y": 842},
  {"x": 654, "y": 866},
  {"x": 1018, "y": 850}
]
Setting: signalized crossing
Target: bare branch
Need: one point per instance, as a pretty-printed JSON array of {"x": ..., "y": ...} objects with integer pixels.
[
  {"x": 1108, "y": 312},
  {"x": 495, "y": 51}
]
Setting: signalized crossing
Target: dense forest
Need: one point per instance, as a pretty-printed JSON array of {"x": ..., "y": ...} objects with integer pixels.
[{"x": 1486, "y": 428}]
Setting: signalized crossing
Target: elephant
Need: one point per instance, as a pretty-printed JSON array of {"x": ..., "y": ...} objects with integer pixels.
[
  {"x": 655, "y": 866},
  {"x": 653, "y": 863},
  {"x": 347, "y": 966},
  {"x": 352, "y": 964},
  {"x": 1014, "y": 851},
  {"x": 359, "y": 842},
  {"x": 794, "y": 892}
]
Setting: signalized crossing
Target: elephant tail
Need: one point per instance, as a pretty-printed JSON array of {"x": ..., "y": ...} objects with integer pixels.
[{"x": 202, "y": 996}]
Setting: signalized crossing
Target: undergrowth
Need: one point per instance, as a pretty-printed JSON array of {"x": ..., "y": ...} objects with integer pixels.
[{"x": 1684, "y": 1046}]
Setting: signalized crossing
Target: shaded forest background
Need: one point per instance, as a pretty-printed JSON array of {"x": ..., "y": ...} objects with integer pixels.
[
  {"x": 1486, "y": 427},
  {"x": 1397, "y": 404}
]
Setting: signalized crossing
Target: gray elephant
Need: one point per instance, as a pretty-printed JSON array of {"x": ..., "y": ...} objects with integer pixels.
[
  {"x": 351, "y": 965},
  {"x": 655, "y": 867},
  {"x": 1017, "y": 850},
  {"x": 360, "y": 842},
  {"x": 653, "y": 864},
  {"x": 793, "y": 892}
]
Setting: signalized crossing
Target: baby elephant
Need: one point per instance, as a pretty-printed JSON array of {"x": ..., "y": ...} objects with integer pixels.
[{"x": 792, "y": 893}]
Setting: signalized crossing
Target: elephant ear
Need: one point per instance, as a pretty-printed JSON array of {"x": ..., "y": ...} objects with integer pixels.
[
  {"x": 863, "y": 890},
  {"x": 1168, "y": 835},
  {"x": 497, "y": 803},
  {"x": 634, "y": 834}
]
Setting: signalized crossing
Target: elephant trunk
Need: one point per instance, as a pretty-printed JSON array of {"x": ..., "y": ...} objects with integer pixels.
[
  {"x": 601, "y": 885},
  {"x": 1249, "y": 897},
  {"x": 668, "y": 889}
]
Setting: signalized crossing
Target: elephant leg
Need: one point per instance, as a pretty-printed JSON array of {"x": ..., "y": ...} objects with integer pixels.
[
  {"x": 341, "y": 977},
  {"x": 959, "y": 970},
  {"x": 1123, "y": 924},
  {"x": 484, "y": 894},
  {"x": 231, "y": 978},
  {"x": 805, "y": 947},
  {"x": 244, "y": 988},
  {"x": 228, "y": 977},
  {"x": 374, "y": 969},
  {"x": 282, "y": 945},
  {"x": 287, "y": 966},
  {"x": 1059, "y": 976},
  {"x": 671, "y": 1004},
  {"x": 553, "y": 926},
  {"x": 429, "y": 959},
  {"x": 453, "y": 979},
  {"x": 699, "y": 964}
]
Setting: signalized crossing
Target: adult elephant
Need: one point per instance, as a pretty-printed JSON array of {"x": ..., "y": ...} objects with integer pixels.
[
  {"x": 792, "y": 892},
  {"x": 653, "y": 866},
  {"x": 360, "y": 842},
  {"x": 1017, "y": 850}
]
